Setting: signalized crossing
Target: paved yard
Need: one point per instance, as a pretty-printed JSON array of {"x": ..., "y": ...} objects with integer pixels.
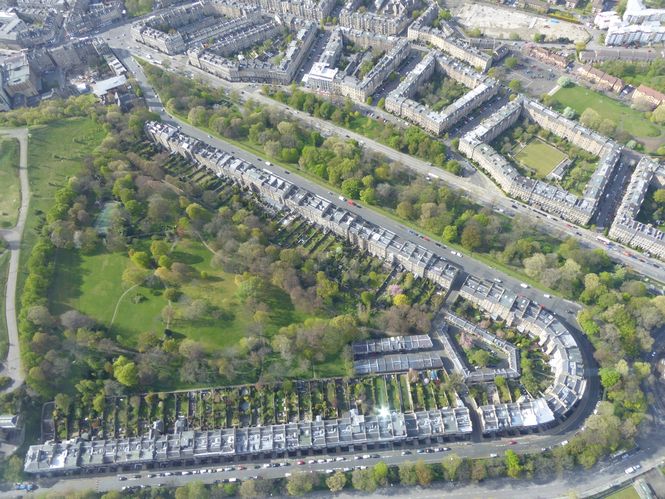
[{"x": 500, "y": 22}]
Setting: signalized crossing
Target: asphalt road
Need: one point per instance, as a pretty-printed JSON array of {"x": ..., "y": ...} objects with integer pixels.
[
  {"x": 565, "y": 309},
  {"x": 12, "y": 365},
  {"x": 532, "y": 443},
  {"x": 478, "y": 186},
  {"x": 604, "y": 475}
]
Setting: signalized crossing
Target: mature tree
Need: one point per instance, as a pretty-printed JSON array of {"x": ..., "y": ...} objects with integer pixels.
[
  {"x": 13, "y": 470},
  {"x": 140, "y": 258},
  {"x": 480, "y": 357},
  {"x": 405, "y": 210},
  {"x": 197, "y": 214},
  {"x": 450, "y": 466},
  {"x": 407, "y": 473},
  {"x": 472, "y": 237},
  {"x": 125, "y": 371},
  {"x": 401, "y": 300},
  {"x": 569, "y": 113},
  {"x": 336, "y": 482},
  {"x": 513, "y": 465},
  {"x": 193, "y": 490},
  {"x": 73, "y": 319},
  {"x": 450, "y": 234},
  {"x": 515, "y": 85},
  {"x": 424, "y": 473},
  {"x": 159, "y": 248},
  {"x": 364, "y": 480},
  {"x": 63, "y": 402},
  {"x": 196, "y": 310},
  {"x": 564, "y": 81},
  {"x": 256, "y": 488},
  {"x": 607, "y": 127},
  {"x": 478, "y": 470},
  {"x": 380, "y": 471},
  {"x": 510, "y": 62},
  {"x": 590, "y": 118},
  {"x": 658, "y": 115},
  {"x": 300, "y": 484},
  {"x": 39, "y": 315},
  {"x": 351, "y": 188}
]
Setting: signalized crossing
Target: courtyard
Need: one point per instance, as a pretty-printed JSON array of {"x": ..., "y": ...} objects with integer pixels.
[{"x": 540, "y": 157}]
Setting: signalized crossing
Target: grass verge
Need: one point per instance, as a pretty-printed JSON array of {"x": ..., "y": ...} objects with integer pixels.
[
  {"x": 625, "y": 493},
  {"x": 10, "y": 200},
  {"x": 4, "y": 333}
]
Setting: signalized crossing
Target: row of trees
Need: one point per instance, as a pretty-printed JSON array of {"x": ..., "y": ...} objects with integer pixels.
[
  {"x": 452, "y": 468},
  {"x": 636, "y": 73},
  {"x": 414, "y": 141},
  {"x": 276, "y": 287}
]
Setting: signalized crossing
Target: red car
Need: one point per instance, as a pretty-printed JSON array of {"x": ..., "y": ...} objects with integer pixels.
[{"x": 512, "y": 442}]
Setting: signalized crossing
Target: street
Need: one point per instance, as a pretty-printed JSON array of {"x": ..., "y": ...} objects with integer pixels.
[
  {"x": 477, "y": 185},
  {"x": 479, "y": 188}
]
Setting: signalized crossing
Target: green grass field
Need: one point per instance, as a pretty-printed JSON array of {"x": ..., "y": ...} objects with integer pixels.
[
  {"x": 93, "y": 285},
  {"x": 4, "y": 338},
  {"x": 55, "y": 153},
  {"x": 540, "y": 157},
  {"x": 626, "y": 118},
  {"x": 626, "y": 493},
  {"x": 11, "y": 191}
]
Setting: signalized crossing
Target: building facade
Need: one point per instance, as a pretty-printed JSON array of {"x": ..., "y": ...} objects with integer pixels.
[
  {"x": 580, "y": 210},
  {"x": 400, "y": 102},
  {"x": 625, "y": 227}
]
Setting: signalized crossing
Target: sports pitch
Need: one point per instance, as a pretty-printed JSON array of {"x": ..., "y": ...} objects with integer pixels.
[{"x": 540, "y": 157}]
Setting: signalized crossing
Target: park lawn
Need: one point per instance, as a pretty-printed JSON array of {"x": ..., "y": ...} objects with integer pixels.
[
  {"x": 629, "y": 120},
  {"x": 92, "y": 284},
  {"x": 4, "y": 336},
  {"x": 626, "y": 493},
  {"x": 540, "y": 157},
  {"x": 10, "y": 200},
  {"x": 55, "y": 153}
]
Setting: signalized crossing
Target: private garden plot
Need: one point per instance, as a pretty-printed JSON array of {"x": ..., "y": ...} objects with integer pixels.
[
  {"x": 439, "y": 92},
  {"x": 535, "y": 373},
  {"x": 652, "y": 210},
  {"x": 253, "y": 405}
]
